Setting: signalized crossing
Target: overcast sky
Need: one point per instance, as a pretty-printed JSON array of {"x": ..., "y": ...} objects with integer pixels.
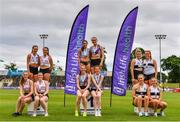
[{"x": 21, "y": 22}]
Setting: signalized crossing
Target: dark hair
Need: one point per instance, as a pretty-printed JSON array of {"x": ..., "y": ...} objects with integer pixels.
[
  {"x": 96, "y": 66},
  {"x": 47, "y": 49},
  {"x": 82, "y": 48},
  {"x": 149, "y": 52},
  {"x": 33, "y": 47}
]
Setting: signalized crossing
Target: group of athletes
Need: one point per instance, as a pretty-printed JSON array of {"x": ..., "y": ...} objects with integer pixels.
[
  {"x": 146, "y": 91},
  {"x": 89, "y": 80},
  {"x": 34, "y": 84}
]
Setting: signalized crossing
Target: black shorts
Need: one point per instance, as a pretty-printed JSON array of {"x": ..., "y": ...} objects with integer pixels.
[
  {"x": 33, "y": 70},
  {"x": 32, "y": 96},
  {"x": 95, "y": 62},
  {"x": 93, "y": 89},
  {"x": 148, "y": 77},
  {"x": 83, "y": 87},
  {"x": 45, "y": 95},
  {"x": 136, "y": 73},
  {"x": 44, "y": 71},
  {"x": 85, "y": 63}
]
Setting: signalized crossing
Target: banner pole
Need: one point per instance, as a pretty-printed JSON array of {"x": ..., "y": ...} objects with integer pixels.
[{"x": 64, "y": 99}]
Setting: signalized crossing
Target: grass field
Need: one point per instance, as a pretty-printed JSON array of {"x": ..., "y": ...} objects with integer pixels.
[
  {"x": 121, "y": 110},
  {"x": 172, "y": 85}
]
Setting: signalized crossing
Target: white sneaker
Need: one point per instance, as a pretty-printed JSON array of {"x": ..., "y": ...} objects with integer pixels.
[
  {"x": 99, "y": 113},
  {"x": 96, "y": 113},
  {"x": 162, "y": 113},
  {"x": 155, "y": 114},
  {"x": 46, "y": 114},
  {"x": 34, "y": 114},
  {"x": 146, "y": 114},
  {"x": 140, "y": 114}
]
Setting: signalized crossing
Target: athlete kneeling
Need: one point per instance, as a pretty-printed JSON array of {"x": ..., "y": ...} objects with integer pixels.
[
  {"x": 139, "y": 94},
  {"x": 155, "y": 95}
]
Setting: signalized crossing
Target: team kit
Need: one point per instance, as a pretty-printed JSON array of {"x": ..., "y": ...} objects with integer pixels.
[{"x": 34, "y": 84}]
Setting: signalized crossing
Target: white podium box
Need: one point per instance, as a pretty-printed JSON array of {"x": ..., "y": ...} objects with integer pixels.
[
  {"x": 90, "y": 106},
  {"x": 40, "y": 110}
]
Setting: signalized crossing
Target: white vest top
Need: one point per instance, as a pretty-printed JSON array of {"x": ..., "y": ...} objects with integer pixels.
[
  {"x": 142, "y": 90},
  {"x": 148, "y": 67},
  {"x": 41, "y": 86},
  {"x": 26, "y": 86},
  {"x": 138, "y": 64},
  {"x": 155, "y": 92},
  {"x": 34, "y": 59},
  {"x": 44, "y": 61}
]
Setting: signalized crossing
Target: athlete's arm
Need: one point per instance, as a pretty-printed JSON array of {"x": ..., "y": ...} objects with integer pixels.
[
  {"x": 89, "y": 80},
  {"x": 149, "y": 93},
  {"x": 35, "y": 89},
  {"x": 160, "y": 96},
  {"x": 21, "y": 90},
  {"x": 100, "y": 83},
  {"x": 132, "y": 69},
  {"x": 155, "y": 67},
  {"x": 102, "y": 57},
  {"x": 28, "y": 60},
  {"x": 134, "y": 91},
  {"x": 51, "y": 63},
  {"x": 47, "y": 88},
  {"x": 38, "y": 60},
  {"x": 94, "y": 82},
  {"x": 79, "y": 57},
  {"x": 77, "y": 82}
]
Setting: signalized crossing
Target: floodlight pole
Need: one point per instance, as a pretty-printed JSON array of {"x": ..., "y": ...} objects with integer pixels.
[
  {"x": 160, "y": 37},
  {"x": 43, "y": 37}
]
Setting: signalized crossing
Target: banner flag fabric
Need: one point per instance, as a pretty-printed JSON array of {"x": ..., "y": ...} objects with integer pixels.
[
  {"x": 76, "y": 37},
  {"x": 122, "y": 54}
]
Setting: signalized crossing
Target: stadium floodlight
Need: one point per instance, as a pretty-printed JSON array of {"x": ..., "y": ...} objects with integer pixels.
[
  {"x": 160, "y": 37},
  {"x": 43, "y": 37}
]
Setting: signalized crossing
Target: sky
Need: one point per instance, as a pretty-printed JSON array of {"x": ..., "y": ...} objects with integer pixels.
[{"x": 21, "y": 22}]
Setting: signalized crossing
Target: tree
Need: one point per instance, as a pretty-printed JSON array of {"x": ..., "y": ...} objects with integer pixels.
[
  {"x": 133, "y": 53},
  {"x": 172, "y": 66},
  {"x": 164, "y": 76}
]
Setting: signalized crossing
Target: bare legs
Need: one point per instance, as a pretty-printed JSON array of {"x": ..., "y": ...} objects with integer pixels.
[
  {"x": 83, "y": 97},
  {"x": 40, "y": 101}
]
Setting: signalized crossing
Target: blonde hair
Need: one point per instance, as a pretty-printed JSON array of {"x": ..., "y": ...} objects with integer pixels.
[
  {"x": 153, "y": 78},
  {"x": 137, "y": 50}
]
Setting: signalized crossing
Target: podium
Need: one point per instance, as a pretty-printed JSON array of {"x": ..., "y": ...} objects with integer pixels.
[
  {"x": 90, "y": 106},
  {"x": 40, "y": 110}
]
